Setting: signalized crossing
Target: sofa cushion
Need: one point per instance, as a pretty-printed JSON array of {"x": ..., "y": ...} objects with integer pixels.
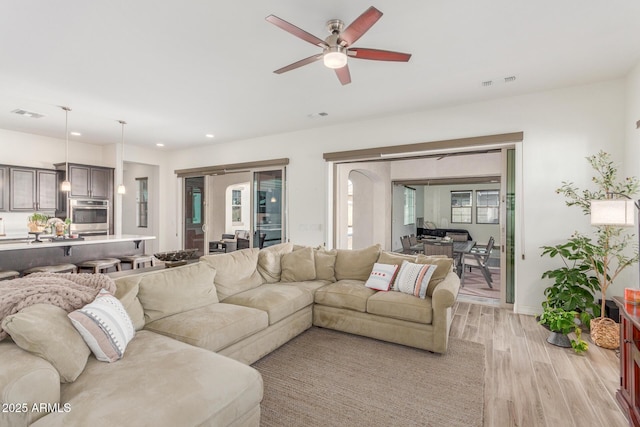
[
  {"x": 46, "y": 331},
  {"x": 444, "y": 266},
  {"x": 127, "y": 289},
  {"x": 413, "y": 279},
  {"x": 299, "y": 266},
  {"x": 160, "y": 382},
  {"x": 269, "y": 261},
  {"x": 277, "y": 300},
  {"x": 235, "y": 272},
  {"x": 105, "y": 326},
  {"x": 401, "y": 306},
  {"x": 25, "y": 378},
  {"x": 310, "y": 285},
  {"x": 350, "y": 294},
  {"x": 395, "y": 258},
  {"x": 356, "y": 264},
  {"x": 213, "y": 327},
  {"x": 325, "y": 264},
  {"x": 174, "y": 290}
]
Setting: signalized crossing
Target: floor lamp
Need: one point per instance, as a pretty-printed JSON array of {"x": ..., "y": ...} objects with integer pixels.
[{"x": 616, "y": 212}]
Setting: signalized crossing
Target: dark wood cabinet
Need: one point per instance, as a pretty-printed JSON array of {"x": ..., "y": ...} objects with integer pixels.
[
  {"x": 33, "y": 189},
  {"x": 47, "y": 186},
  {"x": 91, "y": 182},
  {"x": 4, "y": 188},
  {"x": 628, "y": 394}
]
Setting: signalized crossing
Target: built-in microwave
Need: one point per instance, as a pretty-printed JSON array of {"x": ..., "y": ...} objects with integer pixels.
[{"x": 89, "y": 216}]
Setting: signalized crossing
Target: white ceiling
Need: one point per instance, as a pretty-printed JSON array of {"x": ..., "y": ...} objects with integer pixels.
[{"x": 177, "y": 70}]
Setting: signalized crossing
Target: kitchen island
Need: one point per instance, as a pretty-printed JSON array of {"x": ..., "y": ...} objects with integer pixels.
[{"x": 21, "y": 254}]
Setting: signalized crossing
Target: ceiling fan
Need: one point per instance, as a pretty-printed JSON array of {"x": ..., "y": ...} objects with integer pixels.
[{"x": 336, "y": 48}]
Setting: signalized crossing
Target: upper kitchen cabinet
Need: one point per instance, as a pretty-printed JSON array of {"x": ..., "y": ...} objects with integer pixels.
[
  {"x": 91, "y": 182},
  {"x": 33, "y": 189},
  {"x": 4, "y": 188}
]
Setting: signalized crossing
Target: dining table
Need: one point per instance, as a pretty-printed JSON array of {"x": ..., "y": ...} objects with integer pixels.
[{"x": 460, "y": 249}]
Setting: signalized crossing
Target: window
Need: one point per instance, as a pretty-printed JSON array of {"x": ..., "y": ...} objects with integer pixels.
[
  {"x": 487, "y": 206},
  {"x": 236, "y": 206},
  {"x": 461, "y": 207},
  {"x": 142, "y": 202},
  {"x": 409, "y": 205}
]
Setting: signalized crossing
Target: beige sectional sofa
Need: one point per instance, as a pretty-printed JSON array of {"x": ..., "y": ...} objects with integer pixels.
[{"x": 199, "y": 327}]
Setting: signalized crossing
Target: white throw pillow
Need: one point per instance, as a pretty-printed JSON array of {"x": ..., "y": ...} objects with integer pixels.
[
  {"x": 381, "y": 276},
  {"x": 105, "y": 326}
]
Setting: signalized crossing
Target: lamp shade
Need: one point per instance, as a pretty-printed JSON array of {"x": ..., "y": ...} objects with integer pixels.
[{"x": 618, "y": 212}]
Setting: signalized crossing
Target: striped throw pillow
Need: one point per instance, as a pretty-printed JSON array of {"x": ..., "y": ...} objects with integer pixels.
[
  {"x": 413, "y": 279},
  {"x": 105, "y": 326},
  {"x": 381, "y": 276}
]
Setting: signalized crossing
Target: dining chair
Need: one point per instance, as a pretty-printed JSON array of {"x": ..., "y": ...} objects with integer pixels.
[
  {"x": 478, "y": 258},
  {"x": 406, "y": 246},
  {"x": 413, "y": 240},
  {"x": 438, "y": 248}
]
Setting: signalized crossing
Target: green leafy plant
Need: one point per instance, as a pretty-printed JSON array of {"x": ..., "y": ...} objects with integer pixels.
[
  {"x": 574, "y": 286},
  {"x": 564, "y": 322},
  {"x": 609, "y": 253},
  {"x": 37, "y": 218}
]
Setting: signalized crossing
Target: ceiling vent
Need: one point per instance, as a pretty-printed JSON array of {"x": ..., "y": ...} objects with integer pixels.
[
  {"x": 26, "y": 113},
  {"x": 487, "y": 83}
]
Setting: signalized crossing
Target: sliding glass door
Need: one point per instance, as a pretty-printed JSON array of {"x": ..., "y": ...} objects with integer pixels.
[
  {"x": 194, "y": 214},
  {"x": 268, "y": 208}
]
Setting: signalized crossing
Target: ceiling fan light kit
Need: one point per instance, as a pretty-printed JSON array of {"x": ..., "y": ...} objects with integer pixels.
[
  {"x": 337, "y": 46},
  {"x": 335, "y": 57}
]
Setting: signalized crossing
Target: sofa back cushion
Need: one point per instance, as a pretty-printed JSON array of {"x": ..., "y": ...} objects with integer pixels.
[
  {"x": 299, "y": 266},
  {"x": 325, "y": 264},
  {"x": 127, "y": 289},
  {"x": 269, "y": 261},
  {"x": 174, "y": 290},
  {"x": 356, "y": 264},
  {"x": 235, "y": 272},
  {"x": 444, "y": 266},
  {"x": 46, "y": 331}
]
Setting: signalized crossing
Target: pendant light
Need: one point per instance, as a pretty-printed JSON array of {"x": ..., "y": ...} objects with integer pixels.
[
  {"x": 66, "y": 184},
  {"x": 121, "y": 189}
]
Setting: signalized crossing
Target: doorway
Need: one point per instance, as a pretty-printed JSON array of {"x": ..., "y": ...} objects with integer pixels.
[
  {"x": 411, "y": 171},
  {"x": 194, "y": 214}
]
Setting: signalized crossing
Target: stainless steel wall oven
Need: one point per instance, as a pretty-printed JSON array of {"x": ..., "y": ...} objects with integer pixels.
[{"x": 89, "y": 216}]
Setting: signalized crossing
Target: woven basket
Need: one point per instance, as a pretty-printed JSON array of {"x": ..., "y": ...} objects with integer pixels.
[{"x": 605, "y": 333}]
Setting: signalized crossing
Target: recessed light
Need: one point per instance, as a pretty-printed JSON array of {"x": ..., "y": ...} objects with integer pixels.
[
  {"x": 75, "y": 133},
  {"x": 159, "y": 144},
  {"x": 209, "y": 135}
]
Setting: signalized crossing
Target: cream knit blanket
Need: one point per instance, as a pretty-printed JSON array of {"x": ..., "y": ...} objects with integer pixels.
[{"x": 68, "y": 291}]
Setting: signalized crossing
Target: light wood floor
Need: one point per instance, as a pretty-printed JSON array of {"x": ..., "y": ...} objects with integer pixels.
[{"x": 529, "y": 382}]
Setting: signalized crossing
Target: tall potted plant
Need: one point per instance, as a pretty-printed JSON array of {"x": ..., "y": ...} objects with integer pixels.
[{"x": 611, "y": 251}]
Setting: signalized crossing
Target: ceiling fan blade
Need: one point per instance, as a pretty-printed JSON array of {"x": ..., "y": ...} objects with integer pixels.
[
  {"x": 298, "y": 32},
  {"x": 343, "y": 75},
  {"x": 299, "y": 64},
  {"x": 361, "y": 25},
  {"x": 378, "y": 55}
]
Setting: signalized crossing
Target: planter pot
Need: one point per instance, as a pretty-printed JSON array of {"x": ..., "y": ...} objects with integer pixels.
[{"x": 561, "y": 340}]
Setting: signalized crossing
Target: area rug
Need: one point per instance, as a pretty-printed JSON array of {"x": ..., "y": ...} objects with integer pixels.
[{"x": 329, "y": 378}]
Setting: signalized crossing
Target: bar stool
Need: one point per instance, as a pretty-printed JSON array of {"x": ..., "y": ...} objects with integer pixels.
[
  {"x": 138, "y": 261},
  {"x": 8, "y": 274},
  {"x": 60, "y": 268},
  {"x": 101, "y": 265}
]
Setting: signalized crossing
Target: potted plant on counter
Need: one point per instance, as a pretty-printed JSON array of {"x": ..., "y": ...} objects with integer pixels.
[{"x": 37, "y": 222}]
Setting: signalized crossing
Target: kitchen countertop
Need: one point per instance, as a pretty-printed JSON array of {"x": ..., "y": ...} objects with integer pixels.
[{"x": 11, "y": 244}]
